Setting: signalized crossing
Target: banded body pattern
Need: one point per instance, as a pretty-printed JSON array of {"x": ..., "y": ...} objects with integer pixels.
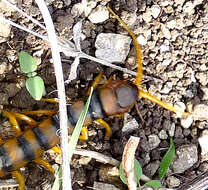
[
  {"x": 17, "y": 152},
  {"x": 114, "y": 98},
  {"x": 95, "y": 110}
]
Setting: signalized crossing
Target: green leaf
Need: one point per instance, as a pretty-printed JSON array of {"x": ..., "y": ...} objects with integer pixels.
[
  {"x": 35, "y": 87},
  {"x": 76, "y": 133},
  {"x": 153, "y": 183},
  {"x": 121, "y": 172},
  {"x": 137, "y": 172},
  {"x": 27, "y": 62},
  {"x": 57, "y": 182},
  {"x": 31, "y": 74},
  {"x": 167, "y": 159}
]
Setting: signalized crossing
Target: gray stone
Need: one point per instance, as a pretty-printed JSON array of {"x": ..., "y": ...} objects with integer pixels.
[
  {"x": 112, "y": 47},
  {"x": 130, "y": 124},
  {"x": 186, "y": 157},
  {"x": 172, "y": 181},
  {"x": 153, "y": 141}
]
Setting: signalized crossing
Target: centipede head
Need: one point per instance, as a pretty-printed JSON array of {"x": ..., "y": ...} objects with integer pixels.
[{"x": 118, "y": 96}]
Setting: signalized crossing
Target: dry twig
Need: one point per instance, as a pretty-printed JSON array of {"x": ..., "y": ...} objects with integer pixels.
[{"x": 128, "y": 162}]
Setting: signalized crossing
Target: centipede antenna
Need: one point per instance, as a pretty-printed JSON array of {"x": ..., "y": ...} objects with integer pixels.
[{"x": 137, "y": 47}]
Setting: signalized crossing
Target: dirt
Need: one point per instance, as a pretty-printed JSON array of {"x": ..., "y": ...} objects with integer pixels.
[{"x": 172, "y": 53}]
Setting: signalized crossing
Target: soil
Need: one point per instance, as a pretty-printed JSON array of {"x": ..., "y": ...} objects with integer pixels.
[{"x": 174, "y": 46}]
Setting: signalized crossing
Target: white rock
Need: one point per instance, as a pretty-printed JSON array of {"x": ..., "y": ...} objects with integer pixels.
[
  {"x": 203, "y": 139},
  {"x": 167, "y": 88},
  {"x": 4, "y": 31},
  {"x": 165, "y": 31},
  {"x": 200, "y": 112},
  {"x": 156, "y": 9},
  {"x": 112, "y": 47},
  {"x": 171, "y": 24},
  {"x": 163, "y": 135},
  {"x": 164, "y": 48},
  {"x": 179, "y": 2},
  {"x": 99, "y": 14},
  {"x": 147, "y": 17},
  {"x": 186, "y": 122},
  {"x": 153, "y": 141},
  {"x": 130, "y": 124},
  {"x": 188, "y": 8},
  {"x": 142, "y": 40},
  {"x": 171, "y": 131}
]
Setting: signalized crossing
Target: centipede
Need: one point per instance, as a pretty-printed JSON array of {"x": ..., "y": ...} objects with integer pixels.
[{"x": 115, "y": 97}]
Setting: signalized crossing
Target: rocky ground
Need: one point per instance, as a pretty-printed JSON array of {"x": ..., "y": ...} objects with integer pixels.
[{"x": 174, "y": 40}]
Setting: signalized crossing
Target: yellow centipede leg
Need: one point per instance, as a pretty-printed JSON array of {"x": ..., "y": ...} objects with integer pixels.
[
  {"x": 50, "y": 100},
  {"x": 45, "y": 164},
  {"x": 106, "y": 126},
  {"x": 13, "y": 121},
  {"x": 56, "y": 149},
  {"x": 95, "y": 83},
  {"x": 146, "y": 95},
  {"x": 25, "y": 118},
  {"x": 20, "y": 179},
  {"x": 40, "y": 112},
  {"x": 84, "y": 133}
]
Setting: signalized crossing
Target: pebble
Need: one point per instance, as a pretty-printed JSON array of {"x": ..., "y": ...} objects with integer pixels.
[
  {"x": 153, "y": 141},
  {"x": 200, "y": 112},
  {"x": 130, "y": 123},
  {"x": 104, "y": 186},
  {"x": 156, "y": 10},
  {"x": 186, "y": 122},
  {"x": 202, "y": 77},
  {"x": 188, "y": 8},
  {"x": 203, "y": 139},
  {"x": 167, "y": 88},
  {"x": 186, "y": 157},
  {"x": 84, "y": 6},
  {"x": 4, "y": 99},
  {"x": 165, "y": 31},
  {"x": 163, "y": 134},
  {"x": 171, "y": 24},
  {"x": 151, "y": 168},
  {"x": 142, "y": 40},
  {"x": 147, "y": 16},
  {"x": 205, "y": 91},
  {"x": 112, "y": 47},
  {"x": 5, "y": 30},
  {"x": 173, "y": 181},
  {"x": 3, "y": 67},
  {"x": 99, "y": 15}
]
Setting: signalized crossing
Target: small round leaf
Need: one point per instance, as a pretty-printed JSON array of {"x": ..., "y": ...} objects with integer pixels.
[
  {"x": 35, "y": 87},
  {"x": 27, "y": 62}
]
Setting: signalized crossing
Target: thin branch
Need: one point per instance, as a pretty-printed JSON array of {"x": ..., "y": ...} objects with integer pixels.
[
  {"x": 24, "y": 14},
  {"x": 66, "y": 178},
  {"x": 23, "y": 28}
]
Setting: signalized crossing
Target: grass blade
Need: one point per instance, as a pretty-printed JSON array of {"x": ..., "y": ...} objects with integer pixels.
[
  {"x": 167, "y": 159},
  {"x": 78, "y": 127}
]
